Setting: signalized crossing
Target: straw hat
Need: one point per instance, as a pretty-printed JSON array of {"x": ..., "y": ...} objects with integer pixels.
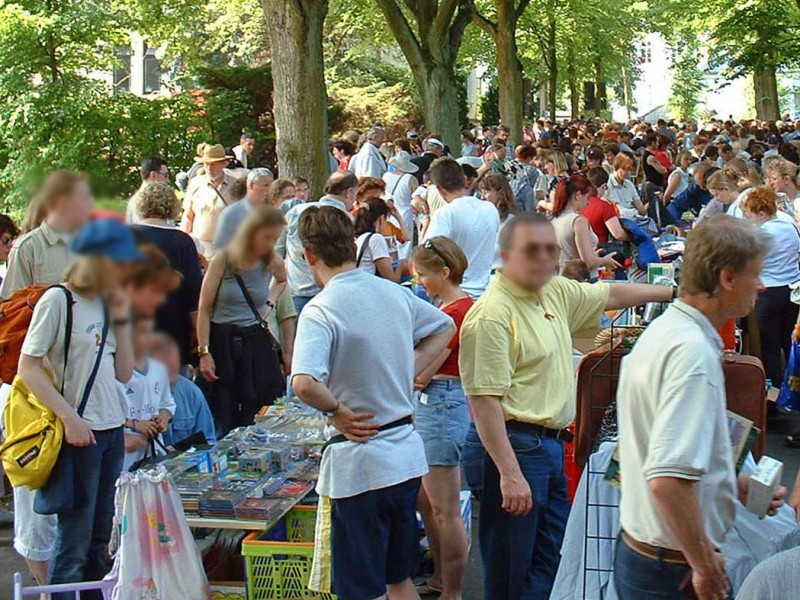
[
  {"x": 402, "y": 162},
  {"x": 212, "y": 153}
]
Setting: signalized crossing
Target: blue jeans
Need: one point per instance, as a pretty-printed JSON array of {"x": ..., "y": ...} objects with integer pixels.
[
  {"x": 472, "y": 457},
  {"x": 638, "y": 577},
  {"x": 443, "y": 421},
  {"x": 521, "y": 554},
  {"x": 300, "y": 303},
  {"x": 83, "y": 535}
]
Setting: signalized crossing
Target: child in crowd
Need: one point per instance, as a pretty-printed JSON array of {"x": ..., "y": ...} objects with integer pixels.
[
  {"x": 148, "y": 400},
  {"x": 192, "y": 415}
]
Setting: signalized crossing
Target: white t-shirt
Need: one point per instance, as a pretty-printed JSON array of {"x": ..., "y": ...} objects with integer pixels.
[
  {"x": 366, "y": 359},
  {"x": 473, "y": 225},
  {"x": 45, "y": 338},
  {"x": 147, "y": 393},
  {"x": 673, "y": 423},
  {"x": 376, "y": 249}
]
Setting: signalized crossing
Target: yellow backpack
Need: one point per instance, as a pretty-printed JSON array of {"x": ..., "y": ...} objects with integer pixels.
[
  {"x": 33, "y": 432},
  {"x": 33, "y": 441}
]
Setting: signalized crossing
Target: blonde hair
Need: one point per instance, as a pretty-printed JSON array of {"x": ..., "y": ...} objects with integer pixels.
[
  {"x": 88, "y": 275},
  {"x": 240, "y": 250},
  {"x": 746, "y": 175},
  {"x": 59, "y": 183},
  {"x": 559, "y": 161},
  {"x": 781, "y": 166},
  {"x": 719, "y": 243},
  {"x": 725, "y": 179},
  {"x": 157, "y": 200}
]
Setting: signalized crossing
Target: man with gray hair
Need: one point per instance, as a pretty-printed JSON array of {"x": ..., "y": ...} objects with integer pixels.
[
  {"x": 368, "y": 161},
  {"x": 679, "y": 484},
  {"x": 259, "y": 187}
]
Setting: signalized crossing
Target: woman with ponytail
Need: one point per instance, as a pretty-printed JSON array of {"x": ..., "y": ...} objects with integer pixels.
[
  {"x": 372, "y": 251},
  {"x": 575, "y": 236}
]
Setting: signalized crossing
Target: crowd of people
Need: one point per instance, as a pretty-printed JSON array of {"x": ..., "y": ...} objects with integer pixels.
[{"x": 425, "y": 304}]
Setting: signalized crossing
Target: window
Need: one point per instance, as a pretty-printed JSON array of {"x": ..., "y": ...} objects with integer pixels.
[
  {"x": 122, "y": 70},
  {"x": 645, "y": 52},
  {"x": 152, "y": 72}
]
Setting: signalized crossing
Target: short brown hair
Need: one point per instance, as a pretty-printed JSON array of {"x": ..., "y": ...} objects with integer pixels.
[
  {"x": 328, "y": 233},
  {"x": 339, "y": 182},
  {"x": 716, "y": 244},
  {"x": 761, "y": 200},
  {"x": 278, "y": 187},
  {"x": 508, "y": 230},
  {"x": 447, "y": 174},
  {"x": 158, "y": 201},
  {"x": 441, "y": 252}
]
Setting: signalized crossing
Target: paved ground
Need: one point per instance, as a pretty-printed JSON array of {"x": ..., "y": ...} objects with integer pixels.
[{"x": 779, "y": 427}]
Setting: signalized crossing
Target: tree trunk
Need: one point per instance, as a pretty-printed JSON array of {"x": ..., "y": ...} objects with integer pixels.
[
  {"x": 552, "y": 67},
  {"x": 574, "y": 94},
  {"x": 601, "y": 102},
  {"x": 766, "y": 92},
  {"x": 439, "y": 93},
  {"x": 300, "y": 97},
  {"x": 509, "y": 70}
]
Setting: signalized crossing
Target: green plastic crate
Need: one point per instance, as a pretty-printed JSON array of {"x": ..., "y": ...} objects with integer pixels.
[{"x": 278, "y": 570}]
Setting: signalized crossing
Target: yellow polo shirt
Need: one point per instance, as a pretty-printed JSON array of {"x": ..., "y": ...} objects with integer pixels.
[{"x": 517, "y": 345}]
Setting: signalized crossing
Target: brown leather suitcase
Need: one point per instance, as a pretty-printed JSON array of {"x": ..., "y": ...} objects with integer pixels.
[
  {"x": 598, "y": 376},
  {"x": 745, "y": 388}
]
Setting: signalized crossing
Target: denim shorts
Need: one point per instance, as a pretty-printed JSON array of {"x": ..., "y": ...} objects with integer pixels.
[{"x": 443, "y": 421}]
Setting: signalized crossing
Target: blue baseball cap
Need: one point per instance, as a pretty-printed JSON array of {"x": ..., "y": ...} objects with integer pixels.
[{"x": 107, "y": 237}]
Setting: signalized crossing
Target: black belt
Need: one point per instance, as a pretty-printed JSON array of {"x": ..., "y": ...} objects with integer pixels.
[
  {"x": 563, "y": 435},
  {"x": 339, "y": 438}
]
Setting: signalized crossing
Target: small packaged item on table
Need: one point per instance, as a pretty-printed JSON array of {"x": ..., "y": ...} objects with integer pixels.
[
  {"x": 764, "y": 483},
  {"x": 257, "y": 461}
]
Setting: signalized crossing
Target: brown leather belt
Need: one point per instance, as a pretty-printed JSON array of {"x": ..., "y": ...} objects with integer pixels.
[{"x": 666, "y": 555}]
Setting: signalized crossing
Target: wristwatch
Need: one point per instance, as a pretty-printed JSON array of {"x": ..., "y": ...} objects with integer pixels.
[
  {"x": 329, "y": 413},
  {"x": 202, "y": 351}
]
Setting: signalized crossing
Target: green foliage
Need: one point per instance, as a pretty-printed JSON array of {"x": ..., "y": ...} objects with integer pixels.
[
  {"x": 687, "y": 83},
  {"x": 490, "y": 105}
]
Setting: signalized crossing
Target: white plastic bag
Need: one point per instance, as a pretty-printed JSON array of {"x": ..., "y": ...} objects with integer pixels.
[{"x": 156, "y": 557}]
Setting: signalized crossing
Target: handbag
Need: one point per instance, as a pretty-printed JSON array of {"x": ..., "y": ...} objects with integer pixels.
[
  {"x": 34, "y": 434},
  {"x": 150, "y": 457},
  {"x": 65, "y": 489},
  {"x": 273, "y": 342}
]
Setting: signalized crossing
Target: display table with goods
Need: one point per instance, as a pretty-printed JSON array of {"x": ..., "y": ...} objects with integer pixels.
[{"x": 255, "y": 475}]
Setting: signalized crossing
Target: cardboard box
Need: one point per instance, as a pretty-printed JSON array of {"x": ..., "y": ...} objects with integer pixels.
[{"x": 763, "y": 483}]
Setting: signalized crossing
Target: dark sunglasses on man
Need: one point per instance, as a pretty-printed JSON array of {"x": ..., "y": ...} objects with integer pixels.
[{"x": 535, "y": 250}]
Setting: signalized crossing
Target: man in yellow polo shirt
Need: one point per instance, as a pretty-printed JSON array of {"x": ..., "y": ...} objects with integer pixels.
[{"x": 516, "y": 368}]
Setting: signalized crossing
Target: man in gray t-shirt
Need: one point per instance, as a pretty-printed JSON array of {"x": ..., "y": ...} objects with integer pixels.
[{"x": 360, "y": 343}]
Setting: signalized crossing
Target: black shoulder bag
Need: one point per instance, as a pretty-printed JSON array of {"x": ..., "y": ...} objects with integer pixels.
[
  {"x": 65, "y": 491},
  {"x": 276, "y": 346},
  {"x": 364, "y": 247}
]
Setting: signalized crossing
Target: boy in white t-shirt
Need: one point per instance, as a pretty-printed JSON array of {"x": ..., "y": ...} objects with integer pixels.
[{"x": 147, "y": 395}]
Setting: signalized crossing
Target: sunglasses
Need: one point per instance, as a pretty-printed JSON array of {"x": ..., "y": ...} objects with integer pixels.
[
  {"x": 429, "y": 245},
  {"x": 532, "y": 251}
]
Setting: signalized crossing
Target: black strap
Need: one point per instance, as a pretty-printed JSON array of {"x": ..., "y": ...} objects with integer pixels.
[
  {"x": 68, "y": 332},
  {"x": 339, "y": 438},
  {"x": 219, "y": 194},
  {"x": 261, "y": 320},
  {"x": 396, "y": 183},
  {"x": 363, "y": 249},
  {"x": 90, "y": 382}
]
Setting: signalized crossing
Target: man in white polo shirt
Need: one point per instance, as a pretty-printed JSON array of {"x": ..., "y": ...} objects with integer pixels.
[
  {"x": 677, "y": 470},
  {"x": 469, "y": 222}
]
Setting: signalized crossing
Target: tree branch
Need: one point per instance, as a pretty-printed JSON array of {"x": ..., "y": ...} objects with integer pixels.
[
  {"x": 444, "y": 16},
  {"x": 486, "y": 24},
  {"x": 403, "y": 33},
  {"x": 523, "y": 5},
  {"x": 460, "y": 23}
]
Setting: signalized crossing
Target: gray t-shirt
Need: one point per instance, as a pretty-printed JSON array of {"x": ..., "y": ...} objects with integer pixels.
[
  {"x": 777, "y": 578},
  {"x": 45, "y": 338},
  {"x": 366, "y": 358},
  {"x": 230, "y": 307}
]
